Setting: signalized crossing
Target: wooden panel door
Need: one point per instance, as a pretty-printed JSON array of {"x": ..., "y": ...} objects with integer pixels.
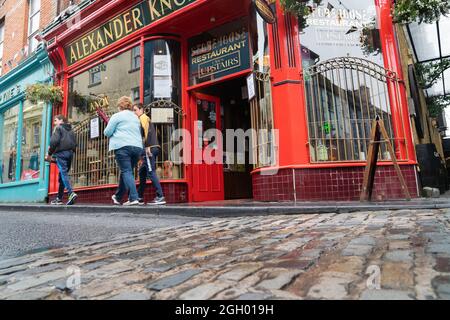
[{"x": 207, "y": 172}]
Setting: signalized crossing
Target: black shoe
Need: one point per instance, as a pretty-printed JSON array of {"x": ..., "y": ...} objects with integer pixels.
[
  {"x": 141, "y": 202},
  {"x": 72, "y": 198}
]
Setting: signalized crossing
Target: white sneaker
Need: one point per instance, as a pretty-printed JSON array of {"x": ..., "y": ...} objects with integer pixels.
[
  {"x": 131, "y": 203},
  {"x": 158, "y": 201},
  {"x": 115, "y": 201}
]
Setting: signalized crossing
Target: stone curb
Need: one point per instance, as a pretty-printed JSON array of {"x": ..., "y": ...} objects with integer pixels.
[{"x": 227, "y": 211}]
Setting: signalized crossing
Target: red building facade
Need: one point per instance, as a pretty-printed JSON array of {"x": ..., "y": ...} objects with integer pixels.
[{"x": 308, "y": 90}]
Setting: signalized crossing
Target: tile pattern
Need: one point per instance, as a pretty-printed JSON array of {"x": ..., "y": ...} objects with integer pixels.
[
  {"x": 338, "y": 184},
  {"x": 174, "y": 193}
]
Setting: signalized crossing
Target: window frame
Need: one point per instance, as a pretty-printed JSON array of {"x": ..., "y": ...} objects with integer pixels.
[
  {"x": 31, "y": 15},
  {"x": 136, "y": 59},
  {"x": 92, "y": 73},
  {"x": 2, "y": 41}
]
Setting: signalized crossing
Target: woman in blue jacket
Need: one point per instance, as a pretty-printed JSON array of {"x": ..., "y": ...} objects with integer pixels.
[{"x": 124, "y": 131}]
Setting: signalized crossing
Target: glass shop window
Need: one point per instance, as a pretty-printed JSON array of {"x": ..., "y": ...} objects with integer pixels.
[
  {"x": 261, "y": 106},
  {"x": 162, "y": 98},
  {"x": 346, "y": 84},
  {"x": 135, "y": 59},
  {"x": 9, "y": 127},
  {"x": 93, "y": 165},
  {"x": 31, "y": 146}
]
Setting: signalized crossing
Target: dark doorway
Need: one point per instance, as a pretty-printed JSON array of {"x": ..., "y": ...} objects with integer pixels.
[{"x": 235, "y": 114}]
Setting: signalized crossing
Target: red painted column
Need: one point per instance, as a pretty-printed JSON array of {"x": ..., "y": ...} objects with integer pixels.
[
  {"x": 399, "y": 104},
  {"x": 289, "y": 108}
]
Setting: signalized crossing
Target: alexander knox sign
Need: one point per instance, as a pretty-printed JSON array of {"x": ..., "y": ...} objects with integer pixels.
[{"x": 136, "y": 18}]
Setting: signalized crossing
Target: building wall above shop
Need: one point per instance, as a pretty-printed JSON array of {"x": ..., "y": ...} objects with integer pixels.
[{"x": 15, "y": 16}]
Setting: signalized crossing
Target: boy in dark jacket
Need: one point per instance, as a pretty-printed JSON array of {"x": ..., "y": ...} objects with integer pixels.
[{"x": 62, "y": 146}]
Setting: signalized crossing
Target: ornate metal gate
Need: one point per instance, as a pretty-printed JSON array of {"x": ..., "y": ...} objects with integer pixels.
[{"x": 344, "y": 95}]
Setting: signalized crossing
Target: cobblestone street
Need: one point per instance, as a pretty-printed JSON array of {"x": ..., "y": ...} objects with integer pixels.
[{"x": 367, "y": 255}]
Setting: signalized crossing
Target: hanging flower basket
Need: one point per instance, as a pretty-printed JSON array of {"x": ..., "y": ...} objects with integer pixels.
[
  {"x": 44, "y": 92},
  {"x": 428, "y": 11}
]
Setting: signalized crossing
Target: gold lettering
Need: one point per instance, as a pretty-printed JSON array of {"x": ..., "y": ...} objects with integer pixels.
[
  {"x": 100, "y": 43},
  {"x": 92, "y": 43},
  {"x": 127, "y": 21},
  {"x": 80, "y": 56},
  {"x": 85, "y": 44},
  {"x": 109, "y": 33},
  {"x": 118, "y": 26},
  {"x": 137, "y": 18},
  {"x": 73, "y": 56},
  {"x": 153, "y": 11},
  {"x": 167, "y": 3}
]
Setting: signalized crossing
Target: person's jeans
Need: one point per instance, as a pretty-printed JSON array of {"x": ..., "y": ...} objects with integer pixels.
[
  {"x": 127, "y": 159},
  {"x": 64, "y": 162},
  {"x": 144, "y": 173}
]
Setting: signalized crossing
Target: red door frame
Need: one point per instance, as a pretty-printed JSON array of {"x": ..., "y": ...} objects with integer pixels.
[{"x": 211, "y": 173}]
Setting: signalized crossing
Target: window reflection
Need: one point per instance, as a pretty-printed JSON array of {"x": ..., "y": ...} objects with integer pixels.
[
  {"x": 9, "y": 126},
  {"x": 162, "y": 98},
  {"x": 32, "y": 127},
  {"x": 99, "y": 87},
  {"x": 346, "y": 84},
  {"x": 111, "y": 80}
]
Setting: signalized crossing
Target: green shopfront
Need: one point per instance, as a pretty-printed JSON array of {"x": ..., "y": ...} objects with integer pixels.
[{"x": 24, "y": 132}]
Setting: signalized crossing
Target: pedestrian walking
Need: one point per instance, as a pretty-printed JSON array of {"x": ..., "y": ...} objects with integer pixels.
[
  {"x": 152, "y": 149},
  {"x": 62, "y": 147},
  {"x": 124, "y": 131}
]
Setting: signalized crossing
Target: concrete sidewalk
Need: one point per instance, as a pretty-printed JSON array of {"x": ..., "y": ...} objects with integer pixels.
[{"x": 238, "y": 207}]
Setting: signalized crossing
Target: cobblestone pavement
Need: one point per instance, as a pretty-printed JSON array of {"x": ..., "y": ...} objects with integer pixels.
[{"x": 326, "y": 256}]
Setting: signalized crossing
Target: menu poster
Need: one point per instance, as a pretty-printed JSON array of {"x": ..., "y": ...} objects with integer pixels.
[
  {"x": 162, "y": 115},
  {"x": 95, "y": 128}
]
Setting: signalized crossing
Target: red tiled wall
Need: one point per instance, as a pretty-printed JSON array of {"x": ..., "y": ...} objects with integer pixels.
[
  {"x": 173, "y": 192},
  {"x": 335, "y": 184}
]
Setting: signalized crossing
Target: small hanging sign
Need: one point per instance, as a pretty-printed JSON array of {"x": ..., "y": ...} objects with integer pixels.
[{"x": 265, "y": 11}]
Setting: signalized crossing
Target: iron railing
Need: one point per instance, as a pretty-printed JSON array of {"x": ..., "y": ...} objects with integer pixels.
[{"x": 344, "y": 95}]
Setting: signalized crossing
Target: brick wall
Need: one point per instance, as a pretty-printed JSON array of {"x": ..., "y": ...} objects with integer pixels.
[{"x": 15, "y": 15}]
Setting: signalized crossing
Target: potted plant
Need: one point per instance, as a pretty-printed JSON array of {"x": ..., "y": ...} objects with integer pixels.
[{"x": 44, "y": 92}]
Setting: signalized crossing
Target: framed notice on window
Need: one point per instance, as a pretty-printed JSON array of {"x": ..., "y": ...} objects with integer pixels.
[
  {"x": 251, "y": 86},
  {"x": 162, "y": 115},
  {"x": 95, "y": 128}
]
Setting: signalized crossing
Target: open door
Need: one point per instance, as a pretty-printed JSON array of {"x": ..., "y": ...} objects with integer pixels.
[{"x": 207, "y": 173}]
